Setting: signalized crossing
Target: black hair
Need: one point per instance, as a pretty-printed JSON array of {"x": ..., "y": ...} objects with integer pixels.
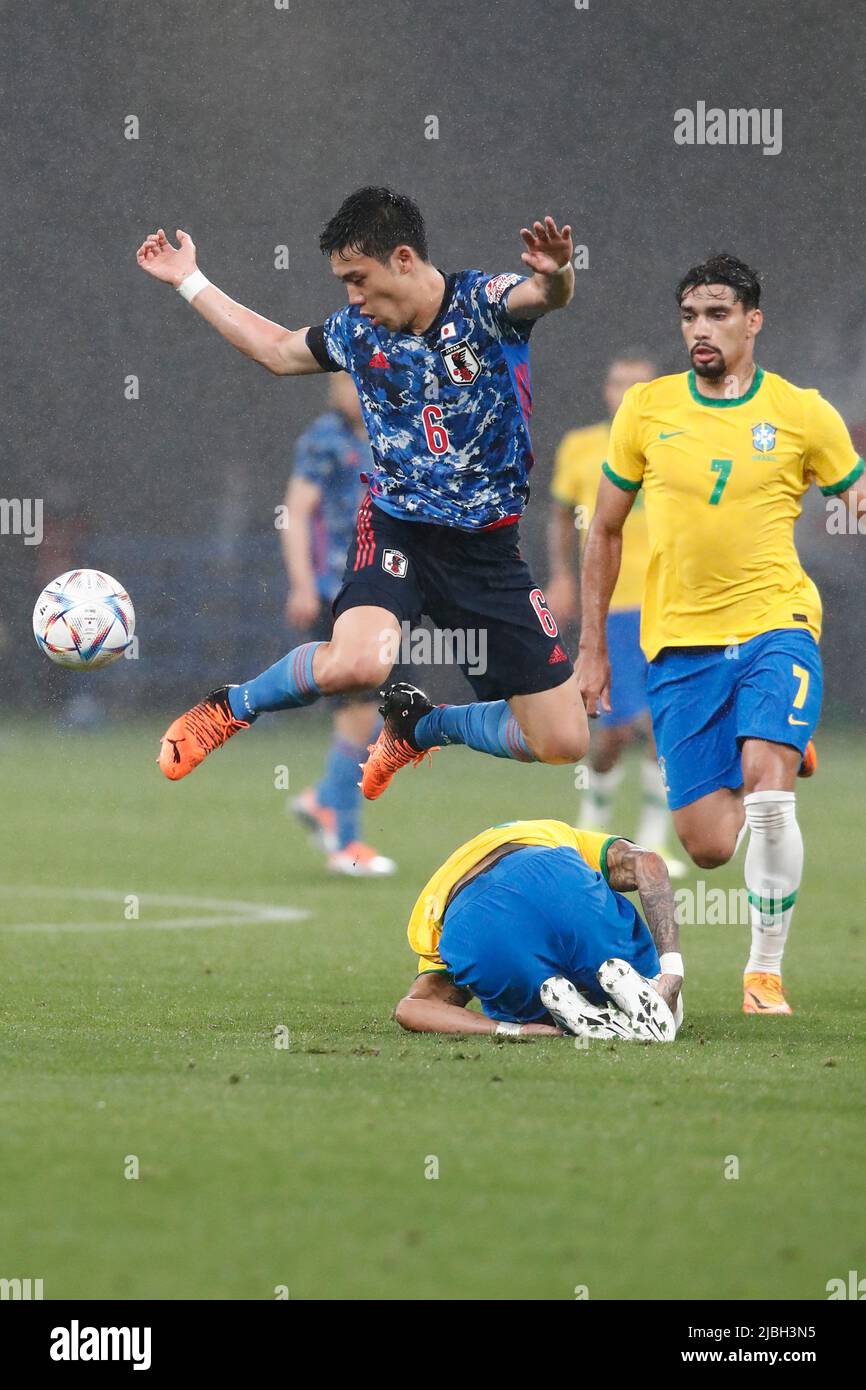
[
  {"x": 724, "y": 269},
  {"x": 373, "y": 222}
]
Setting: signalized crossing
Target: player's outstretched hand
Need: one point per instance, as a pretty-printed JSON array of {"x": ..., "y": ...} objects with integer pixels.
[
  {"x": 593, "y": 680},
  {"x": 547, "y": 248},
  {"x": 547, "y": 1028},
  {"x": 163, "y": 261}
]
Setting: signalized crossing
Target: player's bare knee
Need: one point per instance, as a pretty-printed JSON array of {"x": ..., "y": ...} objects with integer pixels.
[
  {"x": 710, "y": 854},
  {"x": 352, "y": 671},
  {"x": 567, "y": 746},
  {"x": 368, "y": 673}
]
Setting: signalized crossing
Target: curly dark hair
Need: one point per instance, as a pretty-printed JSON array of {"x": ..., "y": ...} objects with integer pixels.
[{"x": 723, "y": 269}]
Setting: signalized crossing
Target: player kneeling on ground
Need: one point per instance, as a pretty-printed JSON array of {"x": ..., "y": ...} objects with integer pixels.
[{"x": 530, "y": 918}]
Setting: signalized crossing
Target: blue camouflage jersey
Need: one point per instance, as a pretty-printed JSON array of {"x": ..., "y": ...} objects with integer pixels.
[
  {"x": 330, "y": 455},
  {"x": 447, "y": 410}
]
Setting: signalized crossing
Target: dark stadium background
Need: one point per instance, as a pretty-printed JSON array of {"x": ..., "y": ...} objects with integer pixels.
[{"x": 254, "y": 123}]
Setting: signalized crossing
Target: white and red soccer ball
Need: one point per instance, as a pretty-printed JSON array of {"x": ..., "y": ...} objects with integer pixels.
[{"x": 84, "y": 619}]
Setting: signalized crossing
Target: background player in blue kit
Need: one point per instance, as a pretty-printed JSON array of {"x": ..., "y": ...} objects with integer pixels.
[
  {"x": 322, "y": 501},
  {"x": 442, "y": 369}
]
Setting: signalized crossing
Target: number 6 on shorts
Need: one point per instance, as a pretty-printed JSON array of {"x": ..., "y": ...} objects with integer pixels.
[{"x": 545, "y": 617}]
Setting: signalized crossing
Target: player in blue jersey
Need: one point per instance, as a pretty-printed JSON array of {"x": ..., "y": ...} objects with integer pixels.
[
  {"x": 322, "y": 500},
  {"x": 442, "y": 369}
]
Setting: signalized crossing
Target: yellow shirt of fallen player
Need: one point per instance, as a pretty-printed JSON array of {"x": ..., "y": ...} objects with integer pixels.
[
  {"x": 425, "y": 924},
  {"x": 723, "y": 482},
  {"x": 576, "y": 474}
]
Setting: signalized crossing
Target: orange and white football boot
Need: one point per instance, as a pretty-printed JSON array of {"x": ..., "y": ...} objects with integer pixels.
[{"x": 762, "y": 994}]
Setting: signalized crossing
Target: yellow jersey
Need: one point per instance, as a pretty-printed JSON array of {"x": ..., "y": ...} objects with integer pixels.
[
  {"x": 723, "y": 482},
  {"x": 576, "y": 473},
  {"x": 425, "y": 924}
]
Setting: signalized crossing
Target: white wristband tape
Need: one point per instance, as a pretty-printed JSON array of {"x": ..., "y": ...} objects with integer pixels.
[
  {"x": 511, "y": 1029},
  {"x": 191, "y": 286},
  {"x": 672, "y": 964}
]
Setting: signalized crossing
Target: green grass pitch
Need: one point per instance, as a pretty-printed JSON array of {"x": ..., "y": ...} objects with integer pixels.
[{"x": 304, "y": 1167}]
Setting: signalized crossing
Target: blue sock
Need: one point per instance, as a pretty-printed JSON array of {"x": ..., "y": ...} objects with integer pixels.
[
  {"x": 339, "y": 788},
  {"x": 489, "y": 727},
  {"x": 285, "y": 685}
]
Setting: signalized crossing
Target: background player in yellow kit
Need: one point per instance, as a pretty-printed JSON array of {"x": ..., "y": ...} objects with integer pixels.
[
  {"x": 576, "y": 474},
  {"x": 730, "y": 621}
]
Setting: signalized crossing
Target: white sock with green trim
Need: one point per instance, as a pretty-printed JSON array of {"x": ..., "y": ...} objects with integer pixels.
[
  {"x": 654, "y": 829},
  {"x": 596, "y": 807},
  {"x": 774, "y": 867}
]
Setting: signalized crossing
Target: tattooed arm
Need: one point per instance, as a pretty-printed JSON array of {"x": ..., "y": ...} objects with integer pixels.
[{"x": 632, "y": 869}]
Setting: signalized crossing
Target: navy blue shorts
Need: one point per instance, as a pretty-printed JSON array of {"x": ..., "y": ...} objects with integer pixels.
[{"x": 472, "y": 584}]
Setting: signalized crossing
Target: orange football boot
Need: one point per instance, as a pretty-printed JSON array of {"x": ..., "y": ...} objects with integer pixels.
[
  {"x": 403, "y": 706},
  {"x": 208, "y": 725},
  {"x": 809, "y": 765},
  {"x": 387, "y": 756},
  {"x": 762, "y": 994}
]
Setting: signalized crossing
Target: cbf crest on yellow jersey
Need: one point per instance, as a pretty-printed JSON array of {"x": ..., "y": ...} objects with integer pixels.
[
  {"x": 723, "y": 482},
  {"x": 425, "y": 924},
  {"x": 576, "y": 474}
]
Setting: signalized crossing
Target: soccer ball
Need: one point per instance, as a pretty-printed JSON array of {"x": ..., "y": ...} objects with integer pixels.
[{"x": 83, "y": 620}]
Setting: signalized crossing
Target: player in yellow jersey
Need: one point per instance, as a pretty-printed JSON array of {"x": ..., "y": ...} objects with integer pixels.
[
  {"x": 730, "y": 621},
  {"x": 576, "y": 474},
  {"x": 526, "y": 917}
]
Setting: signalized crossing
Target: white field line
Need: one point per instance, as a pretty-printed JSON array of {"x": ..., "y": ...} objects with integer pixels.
[{"x": 205, "y": 912}]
